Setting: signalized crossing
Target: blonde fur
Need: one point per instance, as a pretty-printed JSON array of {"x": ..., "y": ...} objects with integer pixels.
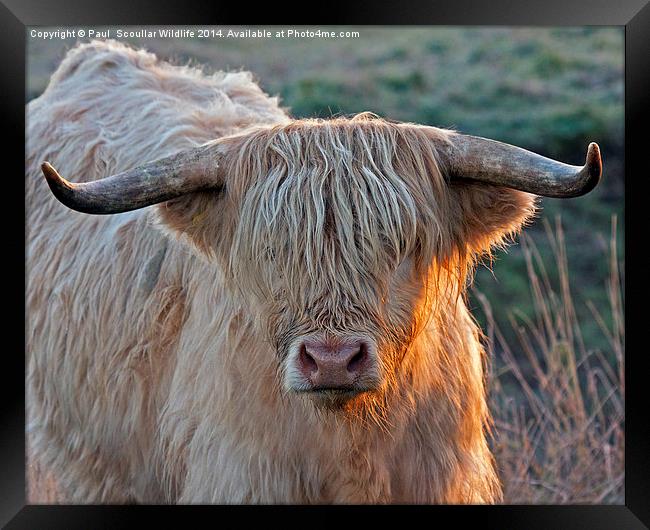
[{"x": 159, "y": 341}]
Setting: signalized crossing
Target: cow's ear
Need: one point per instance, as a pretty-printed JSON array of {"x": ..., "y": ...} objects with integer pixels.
[
  {"x": 206, "y": 219},
  {"x": 198, "y": 218},
  {"x": 203, "y": 218},
  {"x": 487, "y": 216}
]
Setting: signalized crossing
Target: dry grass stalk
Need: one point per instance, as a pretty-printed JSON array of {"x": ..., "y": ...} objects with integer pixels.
[{"x": 558, "y": 403}]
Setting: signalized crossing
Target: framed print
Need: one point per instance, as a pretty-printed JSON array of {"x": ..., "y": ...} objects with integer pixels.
[{"x": 362, "y": 263}]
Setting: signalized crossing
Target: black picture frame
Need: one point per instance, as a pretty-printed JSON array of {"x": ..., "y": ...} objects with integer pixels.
[{"x": 634, "y": 15}]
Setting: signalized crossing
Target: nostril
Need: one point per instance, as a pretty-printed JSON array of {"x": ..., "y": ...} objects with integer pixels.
[
  {"x": 358, "y": 359},
  {"x": 308, "y": 362}
]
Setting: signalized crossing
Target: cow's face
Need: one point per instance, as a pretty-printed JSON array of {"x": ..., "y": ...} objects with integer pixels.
[{"x": 342, "y": 240}]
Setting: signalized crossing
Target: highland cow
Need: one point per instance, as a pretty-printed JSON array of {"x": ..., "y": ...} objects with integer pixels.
[{"x": 275, "y": 310}]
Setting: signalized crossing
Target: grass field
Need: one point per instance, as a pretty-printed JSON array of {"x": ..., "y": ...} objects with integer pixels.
[{"x": 553, "y": 305}]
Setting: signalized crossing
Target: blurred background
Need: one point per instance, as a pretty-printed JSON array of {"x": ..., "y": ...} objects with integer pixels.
[{"x": 552, "y": 304}]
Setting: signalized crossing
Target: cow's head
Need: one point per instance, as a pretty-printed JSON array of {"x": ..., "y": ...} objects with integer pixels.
[{"x": 341, "y": 236}]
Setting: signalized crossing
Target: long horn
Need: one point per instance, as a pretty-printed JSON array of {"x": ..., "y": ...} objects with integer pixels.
[
  {"x": 185, "y": 172},
  {"x": 492, "y": 162}
]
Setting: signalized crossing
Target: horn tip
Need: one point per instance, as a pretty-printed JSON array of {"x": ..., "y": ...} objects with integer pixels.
[
  {"x": 593, "y": 155},
  {"x": 60, "y": 187},
  {"x": 52, "y": 175},
  {"x": 48, "y": 170},
  {"x": 594, "y": 164}
]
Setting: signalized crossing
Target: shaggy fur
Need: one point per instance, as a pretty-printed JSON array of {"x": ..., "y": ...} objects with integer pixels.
[{"x": 159, "y": 341}]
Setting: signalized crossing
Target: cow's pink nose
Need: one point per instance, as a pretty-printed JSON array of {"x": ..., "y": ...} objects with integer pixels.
[{"x": 333, "y": 366}]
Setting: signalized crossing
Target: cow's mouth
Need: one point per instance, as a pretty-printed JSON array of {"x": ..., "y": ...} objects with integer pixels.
[{"x": 335, "y": 398}]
